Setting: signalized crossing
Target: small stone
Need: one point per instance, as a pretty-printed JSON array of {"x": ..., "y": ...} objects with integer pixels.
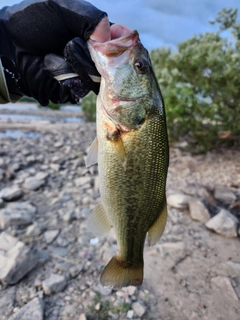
[
  {"x": 198, "y": 211},
  {"x": 69, "y": 216},
  {"x": 75, "y": 270},
  {"x": 33, "y": 183},
  {"x": 41, "y": 175},
  {"x": 55, "y": 166},
  {"x": 224, "y": 223},
  {"x": 16, "y": 263},
  {"x": 51, "y": 235},
  {"x": 130, "y": 314},
  {"x": 131, "y": 290},
  {"x": 62, "y": 242},
  {"x": 224, "y": 195},
  {"x": 55, "y": 283},
  {"x": 178, "y": 200},
  {"x": 139, "y": 309},
  {"x": 17, "y": 214},
  {"x": 34, "y": 230},
  {"x": 82, "y": 317},
  {"x": 7, "y": 302},
  {"x": 98, "y": 306},
  {"x": 82, "y": 181},
  {"x": 11, "y": 194},
  {"x": 7, "y": 241},
  {"x": 32, "y": 310},
  {"x": 104, "y": 291}
]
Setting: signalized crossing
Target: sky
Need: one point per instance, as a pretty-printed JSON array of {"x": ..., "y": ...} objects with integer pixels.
[{"x": 161, "y": 22}]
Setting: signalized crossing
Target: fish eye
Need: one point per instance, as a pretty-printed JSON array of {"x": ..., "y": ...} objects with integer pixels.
[{"x": 141, "y": 66}]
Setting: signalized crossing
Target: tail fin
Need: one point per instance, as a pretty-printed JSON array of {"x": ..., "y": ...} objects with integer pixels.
[{"x": 116, "y": 276}]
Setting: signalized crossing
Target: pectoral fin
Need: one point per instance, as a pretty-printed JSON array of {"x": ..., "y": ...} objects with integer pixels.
[
  {"x": 119, "y": 147},
  {"x": 98, "y": 221},
  {"x": 92, "y": 156},
  {"x": 156, "y": 230}
]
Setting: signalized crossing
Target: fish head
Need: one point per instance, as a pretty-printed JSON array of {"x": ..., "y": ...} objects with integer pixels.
[{"x": 127, "y": 77}]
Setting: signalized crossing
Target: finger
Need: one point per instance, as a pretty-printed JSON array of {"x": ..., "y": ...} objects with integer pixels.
[
  {"x": 102, "y": 31},
  {"x": 118, "y": 30}
]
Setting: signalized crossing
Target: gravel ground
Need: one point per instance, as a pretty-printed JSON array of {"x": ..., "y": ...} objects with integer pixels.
[{"x": 192, "y": 273}]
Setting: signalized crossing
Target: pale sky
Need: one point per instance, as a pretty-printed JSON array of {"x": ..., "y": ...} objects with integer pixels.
[{"x": 161, "y": 22}]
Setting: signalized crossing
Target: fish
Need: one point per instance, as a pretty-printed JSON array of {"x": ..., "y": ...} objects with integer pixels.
[{"x": 132, "y": 153}]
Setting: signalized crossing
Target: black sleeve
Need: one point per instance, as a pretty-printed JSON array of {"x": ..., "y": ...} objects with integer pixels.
[
  {"x": 34, "y": 28},
  {"x": 43, "y": 26}
]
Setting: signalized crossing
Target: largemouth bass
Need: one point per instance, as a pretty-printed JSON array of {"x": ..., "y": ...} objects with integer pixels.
[{"x": 131, "y": 149}]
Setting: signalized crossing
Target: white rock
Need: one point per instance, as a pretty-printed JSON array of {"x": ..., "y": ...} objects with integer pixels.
[
  {"x": 16, "y": 214},
  {"x": 32, "y": 183},
  {"x": 198, "y": 211},
  {"x": 7, "y": 241},
  {"x": 55, "y": 283},
  {"x": 224, "y": 223},
  {"x": 224, "y": 195},
  {"x": 34, "y": 230},
  {"x": 178, "y": 200},
  {"x": 82, "y": 181},
  {"x": 16, "y": 263},
  {"x": 51, "y": 235},
  {"x": 32, "y": 310},
  {"x": 139, "y": 309},
  {"x": 130, "y": 314},
  {"x": 41, "y": 175},
  {"x": 82, "y": 317},
  {"x": 10, "y": 194},
  {"x": 7, "y": 302}
]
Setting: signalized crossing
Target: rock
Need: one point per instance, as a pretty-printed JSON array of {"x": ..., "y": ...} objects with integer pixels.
[
  {"x": 41, "y": 175},
  {"x": 32, "y": 310},
  {"x": 33, "y": 183},
  {"x": 139, "y": 309},
  {"x": 198, "y": 211},
  {"x": 7, "y": 302},
  {"x": 178, "y": 200},
  {"x": 69, "y": 216},
  {"x": 11, "y": 194},
  {"x": 224, "y": 223},
  {"x": 224, "y": 284},
  {"x": 16, "y": 261},
  {"x": 35, "y": 230},
  {"x": 82, "y": 181},
  {"x": 235, "y": 280},
  {"x": 51, "y": 235},
  {"x": 1, "y": 203},
  {"x": 17, "y": 214},
  {"x": 103, "y": 290},
  {"x": 62, "y": 242},
  {"x": 82, "y": 317},
  {"x": 130, "y": 314},
  {"x": 75, "y": 270},
  {"x": 7, "y": 241},
  {"x": 55, "y": 283},
  {"x": 224, "y": 195}
]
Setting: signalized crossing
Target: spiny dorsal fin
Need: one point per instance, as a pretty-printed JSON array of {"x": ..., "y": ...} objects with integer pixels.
[
  {"x": 92, "y": 156},
  {"x": 98, "y": 221},
  {"x": 156, "y": 230}
]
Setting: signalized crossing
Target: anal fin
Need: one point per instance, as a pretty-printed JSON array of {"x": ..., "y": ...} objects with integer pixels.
[
  {"x": 98, "y": 221},
  {"x": 156, "y": 230}
]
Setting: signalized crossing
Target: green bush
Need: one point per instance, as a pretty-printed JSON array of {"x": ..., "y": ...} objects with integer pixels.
[
  {"x": 201, "y": 85},
  {"x": 88, "y": 105}
]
